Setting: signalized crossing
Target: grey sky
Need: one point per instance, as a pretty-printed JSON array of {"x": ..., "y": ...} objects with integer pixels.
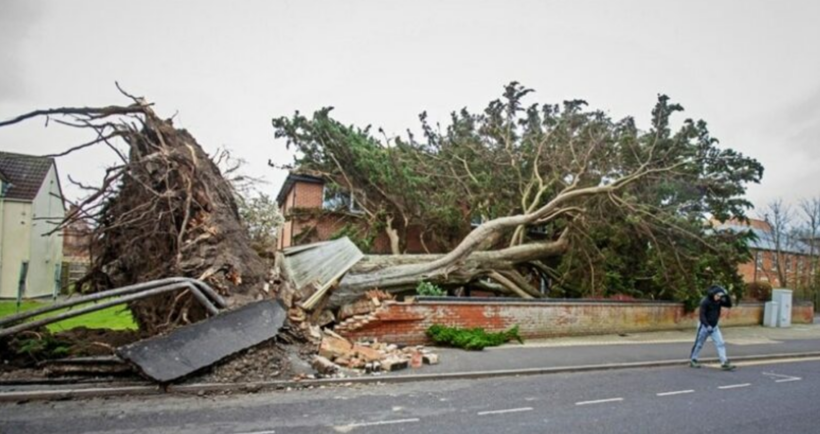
[{"x": 750, "y": 68}]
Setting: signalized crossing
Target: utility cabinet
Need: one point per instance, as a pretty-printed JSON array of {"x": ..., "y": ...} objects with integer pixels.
[
  {"x": 783, "y": 298},
  {"x": 770, "y": 314}
]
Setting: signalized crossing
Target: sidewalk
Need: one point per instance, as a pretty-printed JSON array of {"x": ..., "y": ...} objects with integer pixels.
[
  {"x": 587, "y": 353},
  {"x": 616, "y": 349}
]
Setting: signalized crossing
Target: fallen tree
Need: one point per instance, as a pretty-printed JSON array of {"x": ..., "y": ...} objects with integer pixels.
[
  {"x": 164, "y": 210},
  {"x": 592, "y": 205}
]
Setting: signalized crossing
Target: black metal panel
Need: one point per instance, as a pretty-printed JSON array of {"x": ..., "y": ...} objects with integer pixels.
[{"x": 197, "y": 346}]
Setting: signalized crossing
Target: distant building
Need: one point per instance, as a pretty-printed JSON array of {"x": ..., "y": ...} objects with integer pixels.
[
  {"x": 76, "y": 240},
  {"x": 796, "y": 256},
  {"x": 31, "y": 205},
  {"x": 76, "y": 254}
]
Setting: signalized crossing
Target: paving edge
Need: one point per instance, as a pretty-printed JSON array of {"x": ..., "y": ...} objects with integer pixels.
[{"x": 192, "y": 389}]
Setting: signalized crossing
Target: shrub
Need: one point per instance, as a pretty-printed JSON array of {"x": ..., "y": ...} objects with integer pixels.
[
  {"x": 427, "y": 289},
  {"x": 760, "y": 291},
  {"x": 475, "y": 339},
  {"x": 42, "y": 347}
]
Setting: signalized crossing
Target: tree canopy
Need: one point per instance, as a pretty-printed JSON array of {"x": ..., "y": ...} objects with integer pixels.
[{"x": 631, "y": 204}]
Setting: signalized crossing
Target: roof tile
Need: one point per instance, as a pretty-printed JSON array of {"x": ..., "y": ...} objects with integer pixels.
[{"x": 25, "y": 173}]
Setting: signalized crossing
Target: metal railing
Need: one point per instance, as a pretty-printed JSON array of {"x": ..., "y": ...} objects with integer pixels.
[{"x": 206, "y": 296}]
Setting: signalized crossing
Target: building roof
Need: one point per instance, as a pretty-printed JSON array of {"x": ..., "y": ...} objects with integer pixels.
[
  {"x": 24, "y": 173},
  {"x": 764, "y": 240},
  {"x": 293, "y": 178}
]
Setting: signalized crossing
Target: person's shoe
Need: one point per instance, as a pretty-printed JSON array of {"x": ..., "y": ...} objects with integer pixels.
[
  {"x": 728, "y": 367},
  {"x": 694, "y": 364}
]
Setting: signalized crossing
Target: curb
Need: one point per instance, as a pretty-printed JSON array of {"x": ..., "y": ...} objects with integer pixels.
[{"x": 194, "y": 389}]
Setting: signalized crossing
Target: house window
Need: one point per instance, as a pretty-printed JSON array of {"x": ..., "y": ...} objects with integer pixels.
[
  {"x": 788, "y": 264},
  {"x": 775, "y": 261},
  {"x": 759, "y": 260},
  {"x": 337, "y": 200}
]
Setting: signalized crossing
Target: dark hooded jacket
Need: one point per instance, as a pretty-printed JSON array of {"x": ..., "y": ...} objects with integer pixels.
[{"x": 710, "y": 309}]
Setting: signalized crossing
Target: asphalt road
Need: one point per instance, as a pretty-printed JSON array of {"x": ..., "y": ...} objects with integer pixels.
[
  {"x": 514, "y": 357},
  {"x": 759, "y": 398}
]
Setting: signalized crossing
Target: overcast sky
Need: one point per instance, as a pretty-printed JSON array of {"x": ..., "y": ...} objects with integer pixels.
[{"x": 749, "y": 68}]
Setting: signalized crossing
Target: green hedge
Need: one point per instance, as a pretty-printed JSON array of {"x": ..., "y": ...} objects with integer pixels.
[{"x": 475, "y": 339}]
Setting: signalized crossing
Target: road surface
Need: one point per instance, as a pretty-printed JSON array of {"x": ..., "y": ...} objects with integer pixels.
[{"x": 782, "y": 396}]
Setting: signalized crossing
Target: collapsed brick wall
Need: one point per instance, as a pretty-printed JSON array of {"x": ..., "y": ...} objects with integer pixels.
[{"x": 406, "y": 322}]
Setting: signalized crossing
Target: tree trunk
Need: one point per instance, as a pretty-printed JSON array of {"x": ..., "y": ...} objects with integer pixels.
[
  {"x": 393, "y": 236},
  {"x": 378, "y": 271}
]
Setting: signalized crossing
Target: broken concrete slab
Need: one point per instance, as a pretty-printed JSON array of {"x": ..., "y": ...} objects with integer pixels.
[{"x": 197, "y": 346}]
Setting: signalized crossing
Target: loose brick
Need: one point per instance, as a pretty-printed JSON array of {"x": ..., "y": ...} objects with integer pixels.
[
  {"x": 368, "y": 354},
  {"x": 416, "y": 360},
  {"x": 430, "y": 359},
  {"x": 332, "y": 347},
  {"x": 394, "y": 364}
]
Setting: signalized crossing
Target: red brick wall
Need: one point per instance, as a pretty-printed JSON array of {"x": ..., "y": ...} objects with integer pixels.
[
  {"x": 286, "y": 232},
  {"x": 406, "y": 323},
  {"x": 308, "y": 195},
  {"x": 301, "y": 195}
]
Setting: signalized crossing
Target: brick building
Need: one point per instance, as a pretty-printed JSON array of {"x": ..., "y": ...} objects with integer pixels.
[
  {"x": 796, "y": 257},
  {"x": 313, "y": 212},
  {"x": 76, "y": 255},
  {"x": 298, "y": 192}
]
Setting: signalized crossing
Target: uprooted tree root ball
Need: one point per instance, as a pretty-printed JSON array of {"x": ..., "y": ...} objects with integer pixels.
[{"x": 164, "y": 210}]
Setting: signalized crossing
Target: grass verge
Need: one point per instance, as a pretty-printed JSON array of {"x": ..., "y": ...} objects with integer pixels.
[{"x": 113, "y": 318}]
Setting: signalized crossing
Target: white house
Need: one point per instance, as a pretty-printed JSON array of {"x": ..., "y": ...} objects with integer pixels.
[{"x": 31, "y": 204}]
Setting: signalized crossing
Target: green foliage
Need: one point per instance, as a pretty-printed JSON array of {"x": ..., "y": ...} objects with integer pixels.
[
  {"x": 649, "y": 240},
  {"x": 475, "y": 339},
  {"x": 113, "y": 318},
  {"x": 427, "y": 289},
  {"x": 360, "y": 236},
  {"x": 42, "y": 347},
  {"x": 759, "y": 291},
  {"x": 261, "y": 217}
]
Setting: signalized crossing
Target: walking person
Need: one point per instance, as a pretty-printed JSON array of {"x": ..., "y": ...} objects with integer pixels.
[{"x": 716, "y": 298}]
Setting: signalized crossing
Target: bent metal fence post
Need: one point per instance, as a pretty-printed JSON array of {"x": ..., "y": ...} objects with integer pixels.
[{"x": 200, "y": 290}]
